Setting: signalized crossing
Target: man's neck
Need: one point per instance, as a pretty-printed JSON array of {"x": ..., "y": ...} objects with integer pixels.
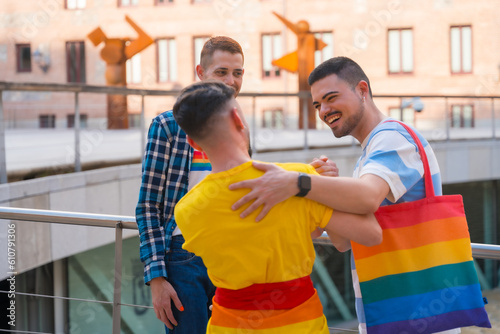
[{"x": 223, "y": 160}]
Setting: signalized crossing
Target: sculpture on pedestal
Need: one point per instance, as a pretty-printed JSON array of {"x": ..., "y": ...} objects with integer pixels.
[
  {"x": 301, "y": 61},
  {"x": 115, "y": 53}
]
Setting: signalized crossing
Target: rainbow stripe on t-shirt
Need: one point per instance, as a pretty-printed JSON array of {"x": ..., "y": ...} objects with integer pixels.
[{"x": 200, "y": 162}]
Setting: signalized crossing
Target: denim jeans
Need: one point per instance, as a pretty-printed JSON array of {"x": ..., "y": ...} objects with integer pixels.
[{"x": 188, "y": 275}]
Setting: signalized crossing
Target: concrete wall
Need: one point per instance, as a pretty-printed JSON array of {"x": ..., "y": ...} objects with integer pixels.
[{"x": 111, "y": 191}]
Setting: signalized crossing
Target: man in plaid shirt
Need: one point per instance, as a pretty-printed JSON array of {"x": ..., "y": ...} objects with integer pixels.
[{"x": 180, "y": 287}]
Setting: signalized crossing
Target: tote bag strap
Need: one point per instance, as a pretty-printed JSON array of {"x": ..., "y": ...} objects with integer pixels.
[{"x": 429, "y": 186}]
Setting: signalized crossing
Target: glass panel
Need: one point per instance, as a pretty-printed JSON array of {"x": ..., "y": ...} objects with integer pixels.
[
  {"x": 456, "y": 116},
  {"x": 277, "y": 46},
  {"x": 72, "y": 62},
  {"x": 198, "y": 45},
  {"x": 81, "y": 4},
  {"x": 172, "y": 56},
  {"x": 71, "y": 4},
  {"x": 466, "y": 49},
  {"x": 125, "y": 2},
  {"x": 276, "y": 52},
  {"x": 327, "y": 52},
  {"x": 468, "y": 116},
  {"x": 455, "y": 50},
  {"x": 394, "y": 52},
  {"x": 267, "y": 55},
  {"x": 409, "y": 116},
  {"x": 162, "y": 60},
  {"x": 81, "y": 63},
  {"x": 25, "y": 61},
  {"x": 407, "y": 50},
  {"x": 395, "y": 113},
  {"x": 90, "y": 276},
  {"x": 136, "y": 68},
  {"x": 267, "y": 120},
  {"x": 278, "y": 119}
]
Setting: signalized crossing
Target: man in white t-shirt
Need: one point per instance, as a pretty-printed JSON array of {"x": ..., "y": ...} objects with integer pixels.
[{"x": 389, "y": 170}]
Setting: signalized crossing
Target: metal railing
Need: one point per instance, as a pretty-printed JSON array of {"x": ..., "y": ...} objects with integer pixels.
[
  {"x": 119, "y": 223},
  {"x": 444, "y": 121}
]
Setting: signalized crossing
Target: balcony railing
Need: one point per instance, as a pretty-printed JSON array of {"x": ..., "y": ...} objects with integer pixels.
[
  {"x": 482, "y": 251},
  {"x": 441, "y": 120}
]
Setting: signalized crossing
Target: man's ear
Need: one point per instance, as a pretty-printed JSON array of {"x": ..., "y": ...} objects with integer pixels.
[
  {"x": 199, "y": 71},
  {"x": 193, "y": 144},
  {"x": 235, "y": 116},
  {"x": 363, "y": 88}
]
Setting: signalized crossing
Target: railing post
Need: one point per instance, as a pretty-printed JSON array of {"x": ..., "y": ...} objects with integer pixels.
[
  {"x": 142, "y": 126},
  {"x": 254, "y": 125},
  {"x": 78, "y": 163},
  {"x": 447, "y": 119},
  {"x": 305, "y": 122},
  {"x": 3, "y": 156},
  {"x": 493, "y": 132},
  {"x": 117, "y": 291}
]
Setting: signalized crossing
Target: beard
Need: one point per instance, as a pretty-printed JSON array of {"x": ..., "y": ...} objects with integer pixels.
[{"x": 350, "y": 123}]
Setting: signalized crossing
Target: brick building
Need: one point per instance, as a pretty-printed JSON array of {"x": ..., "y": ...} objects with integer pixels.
[{"x": 442, "y": 47}]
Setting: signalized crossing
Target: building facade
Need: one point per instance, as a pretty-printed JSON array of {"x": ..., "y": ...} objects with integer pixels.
[{"x": 430, "y": 47}]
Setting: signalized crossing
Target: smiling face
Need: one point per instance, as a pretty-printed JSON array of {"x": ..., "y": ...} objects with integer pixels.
[
  {"x": 338, "y": 105},
  {"x": 226, "y": 67}
]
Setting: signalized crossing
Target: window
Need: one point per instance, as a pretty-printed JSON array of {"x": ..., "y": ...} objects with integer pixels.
[
  {"x": 70, "y": 121},
  {"x": 127, "y": 3},
  {"x": 200, "y": 1},
  {"x": 134, "y": 121},
  {"x": 400, "y": 43},
  {"x": 273, "y": 119},
  {"x": 75, "y": 61},
  {"x": 406, "y": 115},
  {"x": 327, "y": 52},
  {"x": 461, "y": 49},
  {"x": 23, "y": 57},
  {"x": 133, "y": 69},
  {"x": 198, "y": 43},
  {"x": 271, "y": 50},
  {"x": 167, "y": 60},
  {"x": 163, "y": 2},
  {"x": 462, "y": 116},
  {"x": 47, "y": 121},
  {"x": 76, "y": 4}
]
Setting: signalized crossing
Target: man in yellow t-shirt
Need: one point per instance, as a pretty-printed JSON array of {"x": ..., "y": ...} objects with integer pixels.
[{"x": 261, "y": 270}]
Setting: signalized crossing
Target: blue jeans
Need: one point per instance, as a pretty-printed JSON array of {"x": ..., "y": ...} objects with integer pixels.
[{"x": 188, "y": 275}]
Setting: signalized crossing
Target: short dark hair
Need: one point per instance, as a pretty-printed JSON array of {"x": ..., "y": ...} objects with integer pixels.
[
  {"x": 345, "y": 68},
  {"x": 197, "y": 104},
  {"x": 222, "y": 43}
]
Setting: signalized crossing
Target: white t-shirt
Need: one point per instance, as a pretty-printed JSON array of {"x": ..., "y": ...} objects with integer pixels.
[
  {"x": 200, "y": 167},
  {"x": 390, "y": 152}
]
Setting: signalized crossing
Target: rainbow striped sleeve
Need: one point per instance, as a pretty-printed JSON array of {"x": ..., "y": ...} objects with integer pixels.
[{"x": 422, "y": 278}]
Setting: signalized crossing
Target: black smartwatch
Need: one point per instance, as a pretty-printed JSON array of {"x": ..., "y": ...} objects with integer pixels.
[{"x": 304, "y": 184}]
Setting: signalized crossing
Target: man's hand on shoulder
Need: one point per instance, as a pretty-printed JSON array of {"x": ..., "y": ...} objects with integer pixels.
[
  {"x": 275, "y": 186},
  {"x": 164, "y": 294}
]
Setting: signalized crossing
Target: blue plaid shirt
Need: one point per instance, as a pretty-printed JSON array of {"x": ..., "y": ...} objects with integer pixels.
[{"x": 165, "y": 171}]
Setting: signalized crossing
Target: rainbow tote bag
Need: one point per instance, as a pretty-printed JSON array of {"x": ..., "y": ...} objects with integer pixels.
[{"x": 421, "y": 278}]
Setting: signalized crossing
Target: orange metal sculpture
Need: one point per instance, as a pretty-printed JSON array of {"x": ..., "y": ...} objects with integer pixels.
[
  {"x": 115, "y": 53},
  {"x": 301, "y": 61}
]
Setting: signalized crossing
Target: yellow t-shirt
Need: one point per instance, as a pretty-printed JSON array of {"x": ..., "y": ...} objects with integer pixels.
[{"x": 240, "y": 252}]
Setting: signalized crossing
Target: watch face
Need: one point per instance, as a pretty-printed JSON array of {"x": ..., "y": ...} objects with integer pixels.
[
  {"x": 304, "y": 184},
  {"x": 305, "y": 181}
]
